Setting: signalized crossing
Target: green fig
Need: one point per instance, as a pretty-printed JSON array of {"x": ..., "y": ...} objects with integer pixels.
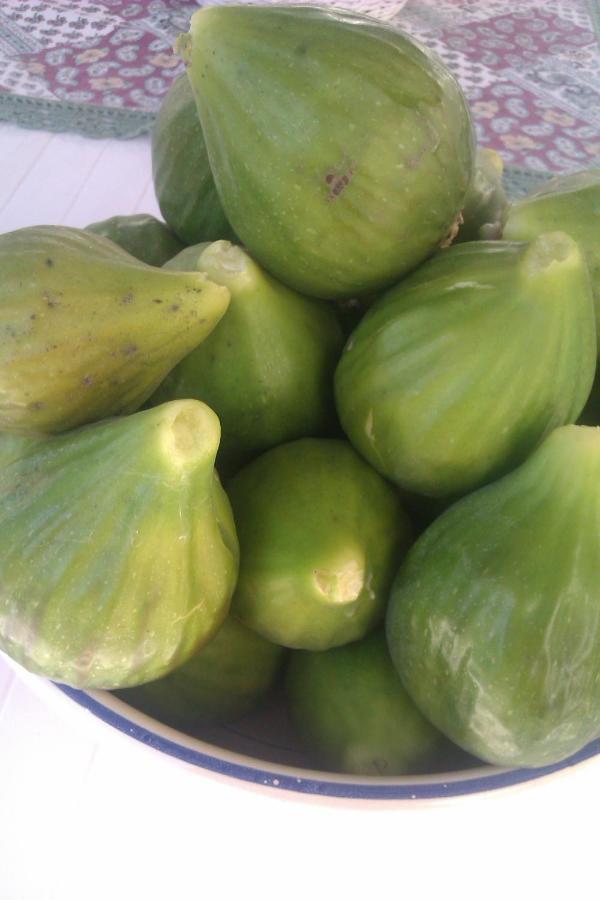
[
  {"x": 486, "y": 204},
  {"x": 460, "y": 371},
  {"x": 354, "y": 715},
  {"x": 87, "y": 330},
  {"x": 183, "y": 181},
  {"x": 267, "y": 369},
  {"x": 226, "y": 679},
  {"x": 494, "y": 617},
  {"x": 118, "y": 551},
  {"x": 144, "y": 236},
  {"x": 320, "y": 533},
  {"x": 570, "y": 203},
  {"x": 341, "y": 149}
]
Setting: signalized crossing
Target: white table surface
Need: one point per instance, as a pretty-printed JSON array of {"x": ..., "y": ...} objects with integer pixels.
[{"x": 87, "y": 813}]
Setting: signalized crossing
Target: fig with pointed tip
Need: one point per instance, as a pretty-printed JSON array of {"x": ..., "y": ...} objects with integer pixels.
[
  {"x": 460, "y": 371},
  {"x": 494, "y": 617},
  {"x": 118, "y": 551},
  {"x": 354, "y": 715},
  {"x": 183, "y": 181},
  {"x": 267, "y": 369},
  {"x": 87, "y": 330},
  {"x": 226, "y": 679},
  {"x": 320, "y": 536},
  {"x": 341, "y": 149},
  {"x": 144, "y": 236},
  {"x": 570, "y": 203},
  {"x": 486, "y": 204}
]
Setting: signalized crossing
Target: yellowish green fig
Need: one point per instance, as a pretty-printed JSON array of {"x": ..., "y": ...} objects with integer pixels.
[
  {"x": 459, "y": 372},
  {"x": 341, "y": 149},
  {"x": 570, "y": 203},
  {"x": 226, "y": 679},
  {"x": 87, "y": 330},
  {"x": 354, "y": 715},
  {"x": 118, "y": 550},
  {"x": 494, "y": 617},
  {"x": 267, "y": 368},
  {"x": 320, "y": 535},
  {"x": 144, "y": 236}
]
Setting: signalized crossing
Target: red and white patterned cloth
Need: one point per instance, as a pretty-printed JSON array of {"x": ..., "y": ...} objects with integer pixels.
[{"x": 531, "y": 71}]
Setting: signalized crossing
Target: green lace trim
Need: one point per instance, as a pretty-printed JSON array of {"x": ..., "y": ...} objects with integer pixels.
[
  {"x": 518, "y": 182},
  {"x": 90, "y": 121}
]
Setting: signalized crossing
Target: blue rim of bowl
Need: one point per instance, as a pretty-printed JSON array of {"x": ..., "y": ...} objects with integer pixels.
[{"x": 371, "y": 789}]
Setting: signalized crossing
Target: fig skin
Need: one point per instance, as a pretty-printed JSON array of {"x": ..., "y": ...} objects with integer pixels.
[
  {"x": 181, "y": 173},
  {"x": 494, "y": 616},
  {"x": 267, "y": 368},
  {"x": 142, "y": 235},
  {"x": 320, "y": 535},
  {"x": 118, "y": 550},
  {"x": 88, "y": 331},
  {"x": 570, "y": 203},
  {"x": 461, "y": 370},
  {"x": 226, "y": 679},
  {"x": 354, "y": 715},
  {"x": 338, "y": 176}
]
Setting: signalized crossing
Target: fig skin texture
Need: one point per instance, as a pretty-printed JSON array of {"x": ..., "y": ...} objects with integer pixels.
[
  {"x": 494, "y": 616},
  {"x": 118, "y": 550},
  {"x": 320, "y": 534},
  {"x": 570, "y": 203},
  {"x": 354, "y": 715},
  {"x": 226, "y": 679},
  {"x": 88, "y": 331},
  {"x": 341, "y": 149},
  {"x": 267, "y": 368},
  {"x": 142, "y": 235},
  {"x": 461, "y": 370},
  {"x": 183, "y": 182}
]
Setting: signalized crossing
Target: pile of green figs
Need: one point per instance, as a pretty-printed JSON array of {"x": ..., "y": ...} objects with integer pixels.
[{"x": 315, "y": 435}]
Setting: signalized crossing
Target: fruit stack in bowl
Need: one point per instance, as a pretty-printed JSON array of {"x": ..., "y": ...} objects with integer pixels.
[{"x": 317, "y": 431}]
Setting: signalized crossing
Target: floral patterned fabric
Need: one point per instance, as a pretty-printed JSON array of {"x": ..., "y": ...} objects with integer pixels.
[{"x": 531, "y": 71}]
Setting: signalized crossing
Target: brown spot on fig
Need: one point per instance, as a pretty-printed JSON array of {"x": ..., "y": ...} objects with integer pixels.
[
  {"x": 127, "y": 298},
  {"x": 36, "y": 406},
  {"x": 129, "y": 349},
  {"x": 454, "y": 228},
  {"x": 157, "y": 300},
  {"x": 49, "y": 262},
  {"x": 174, "y": 307},
  {"x": 88, "y": 379},
  {"x": 50, "y": 299},
  {"x": 338, "y": 178}
]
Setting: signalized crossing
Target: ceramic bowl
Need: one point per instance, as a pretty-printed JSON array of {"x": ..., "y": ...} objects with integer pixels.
[{"x": 261, "y": 750}]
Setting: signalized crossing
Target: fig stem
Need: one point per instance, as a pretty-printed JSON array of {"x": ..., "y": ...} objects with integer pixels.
[{"x": 189, "y": 434}]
